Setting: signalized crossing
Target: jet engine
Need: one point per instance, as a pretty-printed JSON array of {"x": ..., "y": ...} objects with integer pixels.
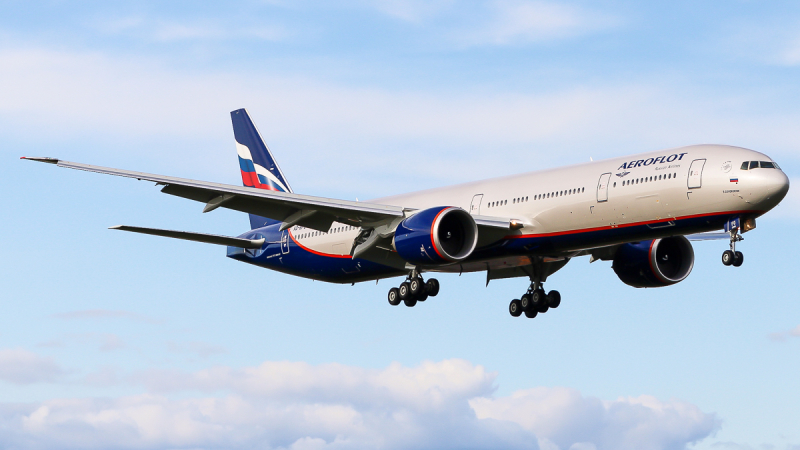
[
  {"x": 440, "y": 235},
  {"x": 656, "y": 263}
]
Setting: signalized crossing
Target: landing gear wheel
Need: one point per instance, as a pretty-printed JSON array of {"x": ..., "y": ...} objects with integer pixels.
[
  {"x": 728, "y": 257},
  {"x": 525, "y": 302},
  {"x": 515, "y": 308},
  {"x": 405, "y": 291},
  {"x": 432, "y": 287},
  {"x": 553, "y": 299},
  {"x": 538, "y": 301},
  {"x": 738, "y": 259},
  {"x": 422, "y": 297},
  {"x": 411, "y": 301},
  {"x": 394, "y": 296},
  {"x": 417, "y": 286},
  {"x": 531, "y": 314}
]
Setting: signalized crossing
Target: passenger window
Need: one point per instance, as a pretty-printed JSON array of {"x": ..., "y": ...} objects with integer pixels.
[
  {"x": 753, "y": 164},
  {"x": 745, "y": 166}
]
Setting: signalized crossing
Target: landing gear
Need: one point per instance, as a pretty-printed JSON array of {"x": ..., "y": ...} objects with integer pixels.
[
  {"x": 414, "y": 290},
  {"x": 732, "y": 257},
  {"x": 535, "y": 301}
]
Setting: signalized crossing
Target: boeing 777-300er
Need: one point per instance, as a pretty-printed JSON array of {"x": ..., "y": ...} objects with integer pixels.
[{"x": 636, "y": 211}]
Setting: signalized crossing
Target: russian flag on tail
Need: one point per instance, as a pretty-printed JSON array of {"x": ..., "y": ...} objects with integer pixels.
[{"x": 258, "y": 166}]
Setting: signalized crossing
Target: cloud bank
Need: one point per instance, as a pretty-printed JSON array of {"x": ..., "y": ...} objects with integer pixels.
[
  {"x": 446, "y": 404},
  {"x": 19, "y": 366}
]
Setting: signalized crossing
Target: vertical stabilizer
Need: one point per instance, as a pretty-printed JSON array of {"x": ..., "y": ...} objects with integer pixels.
[{"x": 259, "y": 168}]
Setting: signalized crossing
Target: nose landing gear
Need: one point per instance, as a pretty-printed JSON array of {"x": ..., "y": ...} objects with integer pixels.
[
  {"x": 413, "y": 290},
  {"x": 732, "y": 257}
]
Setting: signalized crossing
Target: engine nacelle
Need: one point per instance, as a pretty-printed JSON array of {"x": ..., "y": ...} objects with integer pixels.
[
  {"x": 656, "y": 263},
  {"x": 440, "y": 235}
]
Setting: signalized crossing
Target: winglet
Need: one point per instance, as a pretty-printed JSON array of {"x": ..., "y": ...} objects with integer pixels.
[{"x": 43, "y": 159}]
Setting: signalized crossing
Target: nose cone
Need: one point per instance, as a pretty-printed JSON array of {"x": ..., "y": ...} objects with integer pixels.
[{"x": 773, "y": 186}]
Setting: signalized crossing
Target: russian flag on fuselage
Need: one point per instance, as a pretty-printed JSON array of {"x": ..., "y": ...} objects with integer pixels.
[{"x": 258, "y": 166}]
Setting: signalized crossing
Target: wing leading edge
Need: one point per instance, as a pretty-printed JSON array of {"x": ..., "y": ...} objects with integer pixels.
[{"x": 292, "y": 209}]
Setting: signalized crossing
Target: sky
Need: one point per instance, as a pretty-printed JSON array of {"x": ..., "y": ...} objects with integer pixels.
[{"x": 113, "y": 340}]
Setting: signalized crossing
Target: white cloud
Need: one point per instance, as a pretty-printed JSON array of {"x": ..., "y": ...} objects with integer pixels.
[
  {"x": 445, "y": 404},
  {"x": 23, "y": 367},
  {"x": 519, "y": 22},
  {"x": 60, "y": 95},
  {"x": 103, "y": 314},
  {"x": 791, "y": 53},
  {"x": 201, "y": 349},
  {"x": 163, "y": 30},
  {"x": 105, "y": 342},
  {"x": 784, "y": 335},
  {"x": 567, "y": 418},
  {"x": 413, "y": 10}
]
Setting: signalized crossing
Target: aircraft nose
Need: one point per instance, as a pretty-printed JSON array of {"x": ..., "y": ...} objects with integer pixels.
[
  {"x": 781, "y": 186},
  {"x": 773, "y": 186}
]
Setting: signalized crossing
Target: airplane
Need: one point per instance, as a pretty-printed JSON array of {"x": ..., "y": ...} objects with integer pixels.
[{"x": 638, "y": 211}]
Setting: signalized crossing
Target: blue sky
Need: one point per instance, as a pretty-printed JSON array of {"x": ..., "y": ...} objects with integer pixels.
[{"x": 112, "y": 340}]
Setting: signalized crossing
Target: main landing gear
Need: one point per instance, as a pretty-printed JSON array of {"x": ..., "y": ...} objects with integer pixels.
[
  {"x": 534, "y": 301},
  {"x": 732, "y": 257},
  {"x": 413, "y": 290}
]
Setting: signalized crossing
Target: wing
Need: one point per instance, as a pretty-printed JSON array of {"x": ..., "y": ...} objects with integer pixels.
[{"x": 292, "y": 209}]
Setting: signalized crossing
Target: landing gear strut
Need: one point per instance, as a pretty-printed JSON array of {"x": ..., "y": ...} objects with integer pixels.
[
  {"x": 413, "y": 290},
  {"x": 732, "y": 257}
]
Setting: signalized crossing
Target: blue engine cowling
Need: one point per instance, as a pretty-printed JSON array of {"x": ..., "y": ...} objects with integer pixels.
[
  {"x": 656, "y": 263},
  {"x": 440, "y": 235}
]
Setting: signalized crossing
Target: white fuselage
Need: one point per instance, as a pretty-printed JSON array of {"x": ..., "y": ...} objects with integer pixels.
[{"x": 651, "y": 188}]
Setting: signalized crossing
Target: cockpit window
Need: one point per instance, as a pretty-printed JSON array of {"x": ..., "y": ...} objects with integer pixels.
[
  {"x": 753, "y": 164},
  {"x": 745, "y": 165},
  {"x": 767, "y": 165}
]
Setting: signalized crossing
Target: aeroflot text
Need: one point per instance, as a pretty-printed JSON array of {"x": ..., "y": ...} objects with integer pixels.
[{"x": 648, "y": 161}]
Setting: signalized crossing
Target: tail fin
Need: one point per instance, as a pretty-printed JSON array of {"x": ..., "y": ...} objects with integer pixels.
[{"x": 258, "y": 166}]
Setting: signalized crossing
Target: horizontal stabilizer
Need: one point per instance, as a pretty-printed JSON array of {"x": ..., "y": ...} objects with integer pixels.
[
  {"x": 707, "y": 236},
  {"x": 197, "y": 237}
]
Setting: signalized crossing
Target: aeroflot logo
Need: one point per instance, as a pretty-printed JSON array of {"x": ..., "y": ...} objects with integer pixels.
[{"x": 648, "y": 161}]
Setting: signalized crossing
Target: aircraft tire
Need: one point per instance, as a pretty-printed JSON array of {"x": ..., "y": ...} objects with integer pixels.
[
  {"x": 432, "y": 287},
  {"x": 394, "y": 296},
  {"x": 538, "y": 299},
  {"x": 728, "y": 257},
  {"x": 422, "y": 297},
  {"x": 515, "y": 308},
  {"x": 525, "y": 302},
  {"x": 553, "y": 299},
  {"x": 738, "y": 259},
  {"x": 404, "y": 290},
  {"x": 417, "y": 287},
  {"x": 530, "y": 314},
  {"x": 410, "y": 302}
]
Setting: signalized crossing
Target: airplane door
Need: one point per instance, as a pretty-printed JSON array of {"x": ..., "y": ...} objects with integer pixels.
[
  {"x": 475, "y": 207},
  {"x": 696, "y": 173},
  {"x": 285, "y": 242},
  {"x": 602, "y": 187}
]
